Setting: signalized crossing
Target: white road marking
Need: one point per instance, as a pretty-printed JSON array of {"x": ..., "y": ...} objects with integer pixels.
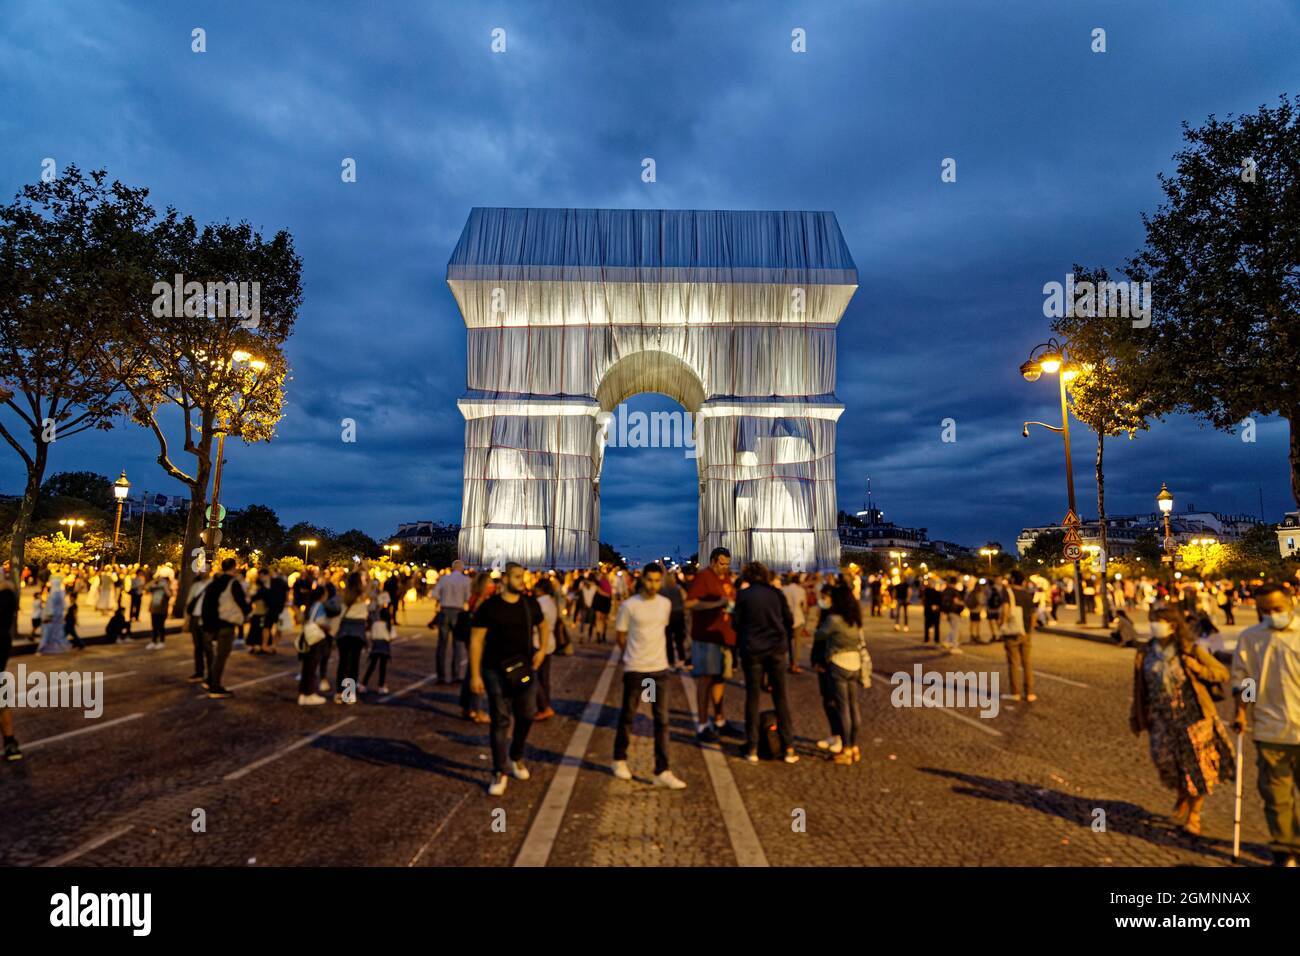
[
  {"x": 89, "y": 845},
  {"x": 98, "y": 725},
  {"x": 271, "y": 758},
  {"x": 441, "y": 826},
  {"x": 1063, "y": 680},
  {"x": 406, "y": 690},
  {"x": 977, "y": 724},
  {"x": 740, "y": 828},
  {"x": 537, "y": 846},
  {"x": 255, "y": 680}
]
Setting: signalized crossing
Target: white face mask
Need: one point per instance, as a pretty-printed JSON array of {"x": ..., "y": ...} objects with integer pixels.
[
  {"x": 1279, "y": 621},
  {"x": 1161, "y": 629}
]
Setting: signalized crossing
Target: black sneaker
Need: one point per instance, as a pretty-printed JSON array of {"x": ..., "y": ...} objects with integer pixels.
[
  {"x": 12, "y": 753},
  {"x": 220, "y": 693},
  {"x": 195, "y": 679}
]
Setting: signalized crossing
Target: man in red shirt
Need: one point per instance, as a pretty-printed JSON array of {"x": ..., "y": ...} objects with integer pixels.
[{"x": 710, "y": 599}]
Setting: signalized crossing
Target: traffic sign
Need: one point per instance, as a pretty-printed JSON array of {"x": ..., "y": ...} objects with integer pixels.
[
  {"x": 1072, "y": 536},
  {"x": 1071, "y": 520},
  {"x": 221, "y": 514},
  {"x": 211, "y": 537},
  {"x": 1072, "y": 552}
]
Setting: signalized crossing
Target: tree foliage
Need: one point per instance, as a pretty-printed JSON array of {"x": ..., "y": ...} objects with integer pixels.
[
  {"x": 67, "y": 248},
  {"x": 1223, "y": 255}
]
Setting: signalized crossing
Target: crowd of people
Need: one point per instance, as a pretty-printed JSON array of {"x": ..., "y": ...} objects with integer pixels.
[{"x": 498, "y": 632}]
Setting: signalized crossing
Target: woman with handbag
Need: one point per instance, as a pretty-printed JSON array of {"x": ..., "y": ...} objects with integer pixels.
[
  {"x": 310, "y": 644},
  {"x": 1173, "y": 700},
  {"x": 843, "y": 665},
  {"x": 1015, "y": 626}
]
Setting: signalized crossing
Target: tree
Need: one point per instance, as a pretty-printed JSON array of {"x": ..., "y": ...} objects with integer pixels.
[
  {"x": 1110, "y": 390},
  {"x": 1047, "y": 547},
  {"x": 68, "y": 250},
  {"x": 1146, "y": 546},
  {"x": 607, "y": 555},
  {"x": 94, "y": 489},
  {"x": 1222, "y": 253},
  {"x": 254, "y": 528},
  {"x": 220, "y": 364}
]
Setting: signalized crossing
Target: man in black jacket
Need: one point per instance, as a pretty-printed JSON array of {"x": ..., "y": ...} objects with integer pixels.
[
  {"x": 930, "y": 606},
  {"x": 764, "y": 626}
]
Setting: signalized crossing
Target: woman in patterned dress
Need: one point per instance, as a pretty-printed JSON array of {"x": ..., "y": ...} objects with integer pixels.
[{"x": 1172, "y": 701}]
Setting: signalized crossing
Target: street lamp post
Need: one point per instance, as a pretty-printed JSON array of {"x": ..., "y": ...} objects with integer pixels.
[
  {"x": 989, "y": 553},
  {"x": 391, "y": 548},
  {"x": 72, "y": 524},
  {"x": 121, "y": 488},
  {"x": 1050, "y": 357},
  {"x": 1165, "y": 502},
  {"x": 307, "y": 544}
]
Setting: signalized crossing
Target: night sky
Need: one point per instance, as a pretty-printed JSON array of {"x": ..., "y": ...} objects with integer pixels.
[{"x": 1057, "y": 152}]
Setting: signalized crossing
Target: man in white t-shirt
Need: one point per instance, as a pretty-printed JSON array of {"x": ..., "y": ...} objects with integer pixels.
[{"x": 641, "y": 627}]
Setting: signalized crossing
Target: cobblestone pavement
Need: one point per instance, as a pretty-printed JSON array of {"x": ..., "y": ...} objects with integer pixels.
[{"x": 398, "y": 780}]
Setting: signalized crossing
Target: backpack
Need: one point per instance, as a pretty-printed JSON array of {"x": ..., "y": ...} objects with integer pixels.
[
  {"x": 211, "y": 601},
  {"x": 769, "y": 736}
]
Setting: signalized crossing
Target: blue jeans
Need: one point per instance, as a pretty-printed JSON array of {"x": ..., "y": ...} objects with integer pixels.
[
  {"x": 446, "y": 627},
  {"x": 505, "y": 702},
  {"x": 845, "y": 686}
]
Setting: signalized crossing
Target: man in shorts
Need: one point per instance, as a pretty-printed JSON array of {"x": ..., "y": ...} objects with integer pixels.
[{"x": 710, "y": 600}]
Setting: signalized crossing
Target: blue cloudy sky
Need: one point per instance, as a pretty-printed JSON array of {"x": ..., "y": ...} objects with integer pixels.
[{"x": 1057, "y": 150}]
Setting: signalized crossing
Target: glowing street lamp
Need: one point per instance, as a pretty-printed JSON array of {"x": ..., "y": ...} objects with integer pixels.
[
  {"x": 390, "y": 548},
  {"x": 307, "y": 545},
  {"x": 72, "y": 524},
  {"x": 988, "y": 553},
  {"x": 1165, "y": 502},
  {"x": 121, "y": 488},
  {"x": 1051, "y": 357}
]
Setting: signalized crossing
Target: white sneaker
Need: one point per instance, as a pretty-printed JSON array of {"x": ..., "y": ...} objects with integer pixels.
[
  {"x": 833, "y": 744},
  {"x": 152, "y": 646},
  {"x": 518, "y": 770},
  {"x": 791, "y": 757},
  {"x": 310, "y": 700},
  {"x": 384, "y": 689},
  {"x": 669, "y": 781},
  {"x": 323, "y": 686},
  {"x": 621, "y": 770},
  {"x": 498, "y": 785},
  {"x": 362, "y": 689}
]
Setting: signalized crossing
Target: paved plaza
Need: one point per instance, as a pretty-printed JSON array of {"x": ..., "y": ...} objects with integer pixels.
[{"x": 399, "y": 779}]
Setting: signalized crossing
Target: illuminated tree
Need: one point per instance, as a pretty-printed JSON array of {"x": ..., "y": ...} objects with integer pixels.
[
  {"x": 69, "y": 250},
  {"x": 199, "y": 361},
  {"x": 1110, "y": 391}
]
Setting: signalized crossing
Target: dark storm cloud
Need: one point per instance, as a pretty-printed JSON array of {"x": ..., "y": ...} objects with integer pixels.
[{"x": 1057, "y": 151}]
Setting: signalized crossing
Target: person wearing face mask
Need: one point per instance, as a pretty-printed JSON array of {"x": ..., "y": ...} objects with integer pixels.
[
  {"x": 1172, "y": 701},
  {"x": 1266, "y": 674}
]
